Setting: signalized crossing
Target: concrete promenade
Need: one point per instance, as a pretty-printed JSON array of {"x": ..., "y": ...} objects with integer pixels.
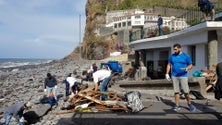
[{"x": 159, "y": 112}]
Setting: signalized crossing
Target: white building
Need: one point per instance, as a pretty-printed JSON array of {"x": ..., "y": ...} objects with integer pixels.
[
  {"x": 120, "y": 20},
  {"x": 202, "y": 42}
]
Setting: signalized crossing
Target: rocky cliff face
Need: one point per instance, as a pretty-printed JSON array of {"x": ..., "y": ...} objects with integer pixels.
[
  {"x": 91, "y": 44},
  {"x": 94, "y": 16}
]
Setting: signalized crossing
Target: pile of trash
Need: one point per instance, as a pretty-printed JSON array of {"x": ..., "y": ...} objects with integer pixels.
[
  {"x": 88, "y": 100},
  {"x": 210, "y": 76}
]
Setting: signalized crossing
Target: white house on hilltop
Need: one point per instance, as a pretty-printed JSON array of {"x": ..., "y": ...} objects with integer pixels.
[{"x": 120, "y": 20}]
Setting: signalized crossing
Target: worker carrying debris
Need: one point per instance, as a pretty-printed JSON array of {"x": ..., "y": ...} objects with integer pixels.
[
  {"x": 96, "y": 97},
  {"x": 101, "y": 78}
]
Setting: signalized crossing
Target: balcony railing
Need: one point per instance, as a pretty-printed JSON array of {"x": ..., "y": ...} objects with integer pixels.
[{"x": 192, "y": 16}]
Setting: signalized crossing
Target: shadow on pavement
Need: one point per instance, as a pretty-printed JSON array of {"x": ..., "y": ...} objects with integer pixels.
[
  {"x": 159, "y": 114},
  {"x": 141, "y": 118}
]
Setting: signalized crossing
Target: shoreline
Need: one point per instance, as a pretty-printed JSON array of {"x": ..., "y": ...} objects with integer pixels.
[
  {"x": 26, "y": 83},
  {"x": 29, "y": 66}
]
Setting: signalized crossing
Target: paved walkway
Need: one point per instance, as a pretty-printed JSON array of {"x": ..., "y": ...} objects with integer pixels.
[{"x": 209, "y": 112}]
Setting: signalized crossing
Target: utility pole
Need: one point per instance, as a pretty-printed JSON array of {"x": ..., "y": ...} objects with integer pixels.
[
  {"x": 79, "y": 28},
  {"x": 80, "y": 46}
]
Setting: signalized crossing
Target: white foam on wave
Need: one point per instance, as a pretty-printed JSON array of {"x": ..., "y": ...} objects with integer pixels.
[
  {"x": 13, "y": 64},
  {"x": 20, "y": 62}
]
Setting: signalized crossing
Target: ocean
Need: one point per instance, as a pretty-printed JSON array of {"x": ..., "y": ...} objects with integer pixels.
[{"x": 16, "y": 62}]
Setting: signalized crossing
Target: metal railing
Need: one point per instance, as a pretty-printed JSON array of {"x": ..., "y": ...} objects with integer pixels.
[{"x": 192, "y": 15}]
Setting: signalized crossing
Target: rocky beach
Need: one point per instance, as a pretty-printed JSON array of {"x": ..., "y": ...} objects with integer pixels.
[{"x": 27, "y": 84}]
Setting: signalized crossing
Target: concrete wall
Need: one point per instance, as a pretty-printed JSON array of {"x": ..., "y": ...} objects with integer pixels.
[
  {"x": 201, "y": 58},
  {"x": 123, "y": 37},
  {"x": 120, "y": 58}
]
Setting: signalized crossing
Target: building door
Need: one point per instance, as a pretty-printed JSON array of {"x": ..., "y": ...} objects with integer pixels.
[
  {"x": 162, "y": 63},
  {"x": 150, "y": 68}
]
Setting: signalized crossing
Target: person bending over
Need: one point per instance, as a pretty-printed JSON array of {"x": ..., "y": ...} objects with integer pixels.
[{"x": 103, "y": 76}]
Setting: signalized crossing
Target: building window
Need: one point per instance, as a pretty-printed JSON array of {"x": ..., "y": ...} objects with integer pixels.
[
  {"x": 119, "y": 25},
  {"x": 137, "y": 17},
  {"x": 129, "y": 23},
  {"x": 192, "y": 53},
  {"x": 115, "y": 25},
  {"x": 124, "y": 24},
  {"x": 137, "y": 22}
]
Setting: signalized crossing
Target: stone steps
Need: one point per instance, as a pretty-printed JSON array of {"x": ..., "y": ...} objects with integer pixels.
[{"x": 155, "y": 87}]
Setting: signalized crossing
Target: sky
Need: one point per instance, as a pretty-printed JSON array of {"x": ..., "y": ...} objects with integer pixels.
[{"x": 46, "y": 29}]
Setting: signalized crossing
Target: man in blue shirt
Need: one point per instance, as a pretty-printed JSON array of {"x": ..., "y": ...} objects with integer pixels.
[{"x": 179, "y": 63}]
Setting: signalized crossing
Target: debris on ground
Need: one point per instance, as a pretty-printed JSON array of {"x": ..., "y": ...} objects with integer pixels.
[
  {"x": 211, "y": 78},
  {"x": 88, "y": 100}
]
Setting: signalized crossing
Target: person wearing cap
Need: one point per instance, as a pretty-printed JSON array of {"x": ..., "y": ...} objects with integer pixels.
[
  {"x": 16, "y": 111},
  {"x": 104, "y": 75},
  {"x": 50, "y": 85}
]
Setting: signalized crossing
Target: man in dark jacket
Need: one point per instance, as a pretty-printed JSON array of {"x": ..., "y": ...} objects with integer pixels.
[
  {"x": 218, "y": 86},
  {"x": 207, "y": 8},
  {"x": 160, "y": 25},
  {"x": 16, "y": 110},
  {"x": 50, "y": 85}
]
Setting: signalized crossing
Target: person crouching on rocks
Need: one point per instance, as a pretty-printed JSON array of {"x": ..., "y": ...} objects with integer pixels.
[
  {"x": 50, "y": 85},
  {"x": 16, "y": 110},
  {"x": 73, "y": 83}
]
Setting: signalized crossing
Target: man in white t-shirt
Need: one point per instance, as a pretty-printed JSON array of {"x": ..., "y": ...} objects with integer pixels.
[{"x": 103, "y": 76}]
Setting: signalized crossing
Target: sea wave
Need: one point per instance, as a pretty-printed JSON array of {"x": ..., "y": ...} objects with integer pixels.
[{"x": 14, "y": 62}]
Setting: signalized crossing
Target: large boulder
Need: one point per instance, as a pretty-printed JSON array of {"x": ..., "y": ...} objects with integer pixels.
[{"x": 36, "y": 113}]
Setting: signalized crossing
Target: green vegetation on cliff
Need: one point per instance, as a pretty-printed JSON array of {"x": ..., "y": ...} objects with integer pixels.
[{"x": 111, "y": 5}]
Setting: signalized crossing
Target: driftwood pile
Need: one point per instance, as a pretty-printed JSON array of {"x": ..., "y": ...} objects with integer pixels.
[
  {"x": 211, "y": 78},
  {"x": 88, "y": 100}
]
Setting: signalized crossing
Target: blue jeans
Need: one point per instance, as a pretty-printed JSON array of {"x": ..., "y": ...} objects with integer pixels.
[
  {"x": 67, "y": 87},
  {"x": 7, "y": 118},
  {"x": 51, "y": 89},
  {"x": 104, "y": 87},
  {"x": 20, "y": 123},
  {"x": 160, "y": 30}
]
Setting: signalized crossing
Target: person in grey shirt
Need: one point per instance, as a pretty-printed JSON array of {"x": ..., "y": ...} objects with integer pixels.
[
  {"x": 50, "y": 85},
  {"x": 16, "y": 111}
]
